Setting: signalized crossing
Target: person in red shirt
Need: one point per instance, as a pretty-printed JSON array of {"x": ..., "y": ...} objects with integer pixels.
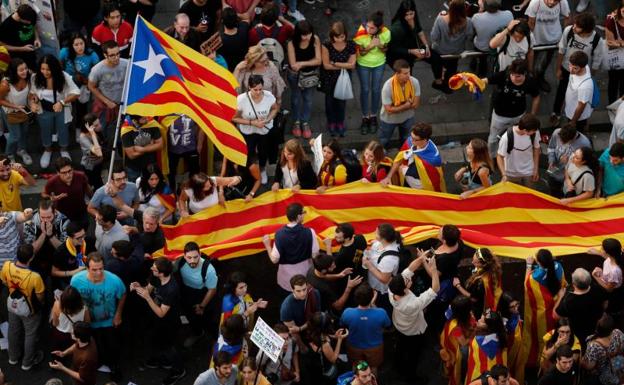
[
  {"x": 67, "y": 189},
  {"x": 113, "y": 28},
  {"x": 270, "y": 27}
]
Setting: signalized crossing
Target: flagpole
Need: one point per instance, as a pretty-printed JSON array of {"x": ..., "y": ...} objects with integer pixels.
[{"x": 124, "y": 101}]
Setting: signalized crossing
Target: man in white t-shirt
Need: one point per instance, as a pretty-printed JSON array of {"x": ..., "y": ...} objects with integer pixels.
[
  {"x": 581, "y": 36},
  {"x": 545, "y": 22},
  {"x": 580, "y": 91},
  {"x": 518, "y": 160}
]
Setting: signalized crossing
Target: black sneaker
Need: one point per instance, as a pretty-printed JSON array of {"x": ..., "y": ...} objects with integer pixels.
[
  {"x": 153, "y": 363},
  {"x": 365, "y": 127},
  {"x": 544, "y": 85},
  {"x": 174, "y": 376},
  {"x": 374, "y": 125}
]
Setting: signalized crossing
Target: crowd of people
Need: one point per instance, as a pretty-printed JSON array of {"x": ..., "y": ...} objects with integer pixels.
[{"x": 82, "y": 261}]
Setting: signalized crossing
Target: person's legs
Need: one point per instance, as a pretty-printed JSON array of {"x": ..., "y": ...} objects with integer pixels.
[
  {"x": 62, "y": 130},
  {"x": 377, "y": 79},
  {"x": 498, "y": 126},
  {"x": 330, "y": 114},
  {"x": 404, "y": 129},
  {"x": 612, "y": 89},
  {"x": 13, "y": 138},
  {"x": 295, "y": 96},
  {"x": 364, "y": 74},
  {"x": 16, "y": 335},
  {"x": 436, "y": 64},
  {"x": 450, "y": 65},
  {"x": 306, "y": 108},
  {"x": 341, "y": 109},
  {"x": 46, "y": 122},
  {"x": 561, "y": 91},
  {"x": 173, "y": 170},
  {"x": 385, "y": 133},
  {"x": 31, "y": 335}
]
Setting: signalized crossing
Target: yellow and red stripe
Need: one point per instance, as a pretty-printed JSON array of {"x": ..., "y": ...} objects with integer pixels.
[
  {"x": 205, "y": 91},
  {"x": 449, "y": 351},
  {"x": 511, "y": 220},
  {"x": 479, "y": 361},
  {"x": 493, "y": 291}
]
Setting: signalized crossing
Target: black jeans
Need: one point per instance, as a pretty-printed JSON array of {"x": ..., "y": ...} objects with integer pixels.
[
  {"x": 450, "y": 65},
  {"x": 561, "y": 91},
  {"x": 109, "y": 346},
  {"x": 95, "y": 176},
  {"x": 192, "y": 163},
  {"x": 616, "y": 85},
  {"x": 256, "y": 146},
  {"x": 407, "y": 354},
  {"x": 191, "y": 297},
  {"x": 162, "y": 336}
]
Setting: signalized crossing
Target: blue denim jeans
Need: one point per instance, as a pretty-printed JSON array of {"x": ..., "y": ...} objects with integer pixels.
[
  {"x": 300, "y": 100},
  {"x": 50, "y": 122},
  {"x": 18, "y": 137},
  {"x": 370, "y": 82},
  {"x": 387, "y": 129}
]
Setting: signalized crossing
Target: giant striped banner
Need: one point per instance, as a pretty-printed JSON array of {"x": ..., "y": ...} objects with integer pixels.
[{"x": 511, "y": 220}]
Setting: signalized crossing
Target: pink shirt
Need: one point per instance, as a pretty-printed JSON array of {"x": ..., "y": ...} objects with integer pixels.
[{"x": 611, "y": 272}]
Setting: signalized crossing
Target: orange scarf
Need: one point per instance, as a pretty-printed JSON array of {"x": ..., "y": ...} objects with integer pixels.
[
  {"x": 81, "y": 256},
  {"x": 401, "y": 94}
]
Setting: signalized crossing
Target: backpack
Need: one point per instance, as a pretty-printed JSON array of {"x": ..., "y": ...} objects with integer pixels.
[
  {"x": 595, "y": 101},
  {"x": 594, "y": 43},
  {"x": 180, "y": 262},
  {"x": 510, "y": 139},
  {"x": 505, "y": 45},
  {"x": 17, "y": 302},
  {"x": 404, "y": 255},
  {"x": 352, "y": 164},
  {"x": 273, "y": 48}
]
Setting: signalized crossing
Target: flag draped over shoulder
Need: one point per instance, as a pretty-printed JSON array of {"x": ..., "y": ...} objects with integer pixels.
[
  {"x": 449, "y": 351},
  {"x": 428, "y": 163},
  {"x": 509, "y": 219},
  {"x": 167, "y": 77}
]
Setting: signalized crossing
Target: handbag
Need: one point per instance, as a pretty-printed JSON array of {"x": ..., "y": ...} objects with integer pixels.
[
  {"x": 615, "y": 56},
  {"x": 254, "y": 108},
  {"x": 343, "y": 89},
  {"x": 17, "y": 117},
  {"x": 309, "y": 79},
  {"x": 572, "y": 193}
]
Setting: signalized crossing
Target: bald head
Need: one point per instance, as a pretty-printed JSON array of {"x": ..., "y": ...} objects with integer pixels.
[{"x": 182, "y": 24}]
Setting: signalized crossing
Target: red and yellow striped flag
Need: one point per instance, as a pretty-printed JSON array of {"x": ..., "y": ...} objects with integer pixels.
[
  {"x": 510, "y": 220},
  {"x": 483, "y": 353},
  {"x": 167, "y": 77},
  {"x": 449, "y": 351}
]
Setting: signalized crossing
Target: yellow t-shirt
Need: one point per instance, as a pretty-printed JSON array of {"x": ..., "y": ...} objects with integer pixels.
[
  {"x": 10, "y": 192},
  {"x": 375, "y": 57},
  {"x": 26, "y": 280}
]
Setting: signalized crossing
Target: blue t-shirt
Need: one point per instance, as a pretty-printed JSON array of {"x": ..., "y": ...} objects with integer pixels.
[
  {"x": 193, "y": 277},
  {"x": 129, "y": 195},
  {"x": 82, "y": 63},
  {"x": 293, "y": 309},
  {"x": 365, "y": 326},
  {"x": 101, "y": 298},
  {"x": 613, "y": 176}
]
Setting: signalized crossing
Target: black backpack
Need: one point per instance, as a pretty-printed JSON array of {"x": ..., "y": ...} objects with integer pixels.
[
  {"x": 594, "y": 43},
  {"x": 404, "y": 255},
  {"x": 352, "y": 164},
  {"x": 180, "y": 262},
  {"x": 510, "y": 140}
]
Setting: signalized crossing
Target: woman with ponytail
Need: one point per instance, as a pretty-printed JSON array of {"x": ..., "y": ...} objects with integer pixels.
[
  {"x": 484, "y": 285},
  {"x": 542, "y": 283},
  {"x": 382, "y": 262}
]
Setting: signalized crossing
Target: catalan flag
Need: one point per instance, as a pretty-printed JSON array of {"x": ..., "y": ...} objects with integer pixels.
[
  {"x": 514, "y": 326},
  {"x": 483, "y": 353},
  {"x": 167, "y": 77},
  {"x": 449, "y": 351},
  {"x": 538, "y": 308},
  {"x": 509, "y": 219},
  {"x": 493, "y": 291},
  {"x": 424, "y": 164}
]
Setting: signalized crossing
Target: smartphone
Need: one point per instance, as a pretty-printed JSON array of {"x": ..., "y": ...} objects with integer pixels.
[{"x": 517, "y": 8}]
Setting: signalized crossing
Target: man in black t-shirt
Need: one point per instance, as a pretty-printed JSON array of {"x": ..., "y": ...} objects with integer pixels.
[
  {"x": 69, "y": 257},
  {"x": 234, "y": 36},
  {"x": 203, "y": 15},
  {"x": 182, "y": 31},
  {"x": 352, "y": 247},
  {"x": 19, "y": 35},
  {"x": 584, "y": 305},
  {"x": 321, "y": 278},
  {"x": 162, "y": 295},
  {"x": 509, "y": 101},
  {"x": 141, "y": 141},
  {"x": 562, "y": 373}
]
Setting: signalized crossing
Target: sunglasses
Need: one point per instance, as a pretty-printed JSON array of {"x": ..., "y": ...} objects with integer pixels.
[{"x": 362, "y": 365}]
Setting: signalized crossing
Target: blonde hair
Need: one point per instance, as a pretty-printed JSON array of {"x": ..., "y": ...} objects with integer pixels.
[
  {"x": 378, "y": 152},
  {"x": 337, "y": 29},
  {"x": 254, "y": 54}
]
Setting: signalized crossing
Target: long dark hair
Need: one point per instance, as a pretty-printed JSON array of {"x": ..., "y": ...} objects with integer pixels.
[
  {"x": 196, "y": 183},
  {"x": 322, "y": 324},
  {"x": 12, "y": 71},
  {"x": 336, "y": 160},
  {"x": 495, "y": 325},
  {"x": 590, "y": 159},
  {"x": 146, "y": 174},
  {"x": 236, "y": 278},
  {"x": 389, "y": 234},
  {"x": 613, "y": 248},
  {"x": 546, "y": 261},
  {"x": 302, "y": 28},
  {"x": 504, "y": 304},
  {"x": 70, "y": 46},
  {"x": 461, "y": 307},
  {"x": 58, "y": 78},
  {"x": 404, "y": 7},
  {"x": 457, "y": 16}
]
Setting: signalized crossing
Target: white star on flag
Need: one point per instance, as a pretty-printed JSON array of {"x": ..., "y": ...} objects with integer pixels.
[{"x": 151, "y": 65}]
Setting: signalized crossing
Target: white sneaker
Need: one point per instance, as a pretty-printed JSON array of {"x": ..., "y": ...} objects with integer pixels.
[
  {"x": 582, "y": 6},
  {"x": 26, "y": 159},
  {"x": 104, "y": 369},
  {"x": 298, "y": 16},
  {"x": 65, "y": 154},
  {"x": 44, "y": 162},
  {"x": 263, "y": 177}
]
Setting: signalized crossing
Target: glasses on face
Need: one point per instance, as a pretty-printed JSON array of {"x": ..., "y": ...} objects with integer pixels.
[
  {"x": 113, "y": 55},
  {"x": 362, "y": 365}
]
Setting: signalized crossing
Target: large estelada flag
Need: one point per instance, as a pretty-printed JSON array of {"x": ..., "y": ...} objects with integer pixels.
[
  {"x": 483, "y": 353},
  {"x": 511, "y": 220},
  {"x": 167, "y": 77},
  {"x": 427, "y": 161}
]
